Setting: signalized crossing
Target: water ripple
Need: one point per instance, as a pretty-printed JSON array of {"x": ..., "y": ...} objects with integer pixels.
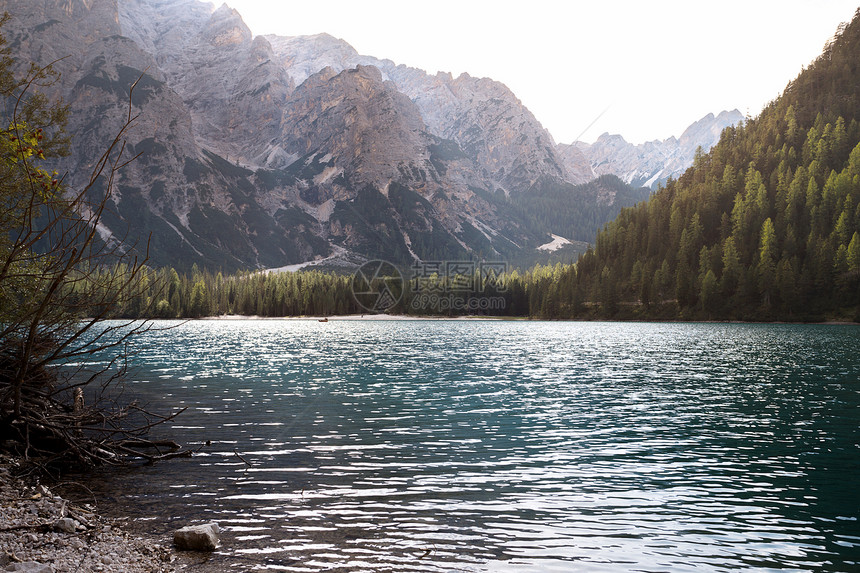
[{"x": 508, "y": 446}]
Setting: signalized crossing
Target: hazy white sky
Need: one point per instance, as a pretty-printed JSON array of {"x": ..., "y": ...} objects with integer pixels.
[{"x": 653, "y": 66}]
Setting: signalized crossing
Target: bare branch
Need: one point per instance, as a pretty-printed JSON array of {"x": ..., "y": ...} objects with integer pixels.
[{"x": 54, "y": 270}]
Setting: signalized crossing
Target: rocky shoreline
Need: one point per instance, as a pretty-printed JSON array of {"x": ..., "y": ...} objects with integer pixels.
[{"x": 41, "y": 532}]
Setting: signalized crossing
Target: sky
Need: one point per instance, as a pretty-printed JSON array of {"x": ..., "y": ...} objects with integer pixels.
[{"x": 643, "y": 69}]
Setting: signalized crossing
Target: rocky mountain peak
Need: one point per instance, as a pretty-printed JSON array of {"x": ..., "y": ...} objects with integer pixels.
[
  {"x": 482, "y": 115},
  {"x": 468, "y": 87},
  {"x": 611, "y": 138},
  {"x": 706, "y": 132},
  {"x": 318, "y": 78},
  {"x": 354, "y": 116},
  {"x": 370, "y": 73},
  {"x": 489, "y": 123},
  {"x": 652, "y": 163},
  {"x": 578, "y": 167},
  {"x": 303, "y": 56},
  {"x": 226, "y": 28},
  {"x": 261, "y": 51}
]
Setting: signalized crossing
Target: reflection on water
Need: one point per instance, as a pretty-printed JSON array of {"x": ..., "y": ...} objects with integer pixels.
[{"x": 507, "y": 446}]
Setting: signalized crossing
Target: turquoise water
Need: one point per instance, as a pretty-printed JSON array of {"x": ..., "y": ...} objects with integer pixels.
[{"x": 507, "y": 446}]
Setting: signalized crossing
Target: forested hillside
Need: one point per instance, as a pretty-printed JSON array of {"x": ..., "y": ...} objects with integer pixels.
[{"x": 765, "y": 226}]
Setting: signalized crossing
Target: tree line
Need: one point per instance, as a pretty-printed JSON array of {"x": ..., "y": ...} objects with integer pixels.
[{"x": 166, "y": 293}]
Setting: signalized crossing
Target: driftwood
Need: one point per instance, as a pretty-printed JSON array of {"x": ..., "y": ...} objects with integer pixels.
[{"x": 50, "y": 433}]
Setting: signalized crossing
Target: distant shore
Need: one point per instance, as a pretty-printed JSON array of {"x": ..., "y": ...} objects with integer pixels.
[
  {"x": 368, "y": 316},
  {"x": 473, "y": 318}
]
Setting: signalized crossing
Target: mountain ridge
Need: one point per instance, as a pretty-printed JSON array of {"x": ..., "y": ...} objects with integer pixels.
[
  {"x": 262, "y": 151},
  {"x": 652, "y": 163}
]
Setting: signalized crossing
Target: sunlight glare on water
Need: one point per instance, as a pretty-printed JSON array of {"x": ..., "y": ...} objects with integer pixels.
[{"x": 506, "y": 446}]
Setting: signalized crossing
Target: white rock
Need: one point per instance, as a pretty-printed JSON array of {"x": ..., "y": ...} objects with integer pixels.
[{"x": 197, "y": 537}]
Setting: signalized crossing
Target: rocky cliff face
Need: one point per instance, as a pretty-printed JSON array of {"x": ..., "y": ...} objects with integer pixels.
[
  {"x": 576, "y": 162},
  {"x": 233, "y": 85},
  {"x": 652, "y": 163},
  {"x": 268, "y": 151},
  {"x": 494, "y": 129},
  {"x": 370, "y": 131},
  {"x": 487, "y": 121}
]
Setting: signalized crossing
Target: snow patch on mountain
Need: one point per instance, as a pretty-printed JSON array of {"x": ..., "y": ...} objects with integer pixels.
[{"x": 554, "y": 245}]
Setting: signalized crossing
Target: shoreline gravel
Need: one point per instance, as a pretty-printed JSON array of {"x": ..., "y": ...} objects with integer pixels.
[{"x": 41, "y": 532}]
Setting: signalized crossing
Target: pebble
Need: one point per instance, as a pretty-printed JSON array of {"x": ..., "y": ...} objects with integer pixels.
[
  {"x": 41, "y": 538},
  {"x": 66, "y": 525}
]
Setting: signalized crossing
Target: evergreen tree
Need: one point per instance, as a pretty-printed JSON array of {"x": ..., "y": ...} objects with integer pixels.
[
  {"x": 853, "y": 254},
  {"x": 767, "y": 262}
]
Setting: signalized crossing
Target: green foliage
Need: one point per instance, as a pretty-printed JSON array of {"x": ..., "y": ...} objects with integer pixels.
[
  {"x": 31, "y": 133},
  {"x": 201, "y": 294},
  {"x": 761, "y": 227},
  {"x": 166, "y": 293},
  {"x": 853, "y": 255},
  {"x": 576, "y": 212}
]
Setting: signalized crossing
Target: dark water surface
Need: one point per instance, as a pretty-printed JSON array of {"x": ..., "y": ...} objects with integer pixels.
[{"x": 506, "y": 446}]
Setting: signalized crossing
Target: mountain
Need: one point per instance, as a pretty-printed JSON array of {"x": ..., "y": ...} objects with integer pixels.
[
  {"x": 765, "y": 226},
  {"x": 265, "y": 151},
  {"x": 648, "y": 164}
]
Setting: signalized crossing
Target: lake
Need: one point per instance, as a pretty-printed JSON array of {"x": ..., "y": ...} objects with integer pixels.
[{"x": 505, "y": 445}]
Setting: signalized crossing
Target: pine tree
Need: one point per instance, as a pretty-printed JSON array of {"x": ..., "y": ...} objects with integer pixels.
[
  {"x": 200, "y": 303},
  {"x": 853, "y": 254},
  {"x": 731, "y": 269},
  {"x": 709, "y": 293},
  {"x": 767, "y": 262}
]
